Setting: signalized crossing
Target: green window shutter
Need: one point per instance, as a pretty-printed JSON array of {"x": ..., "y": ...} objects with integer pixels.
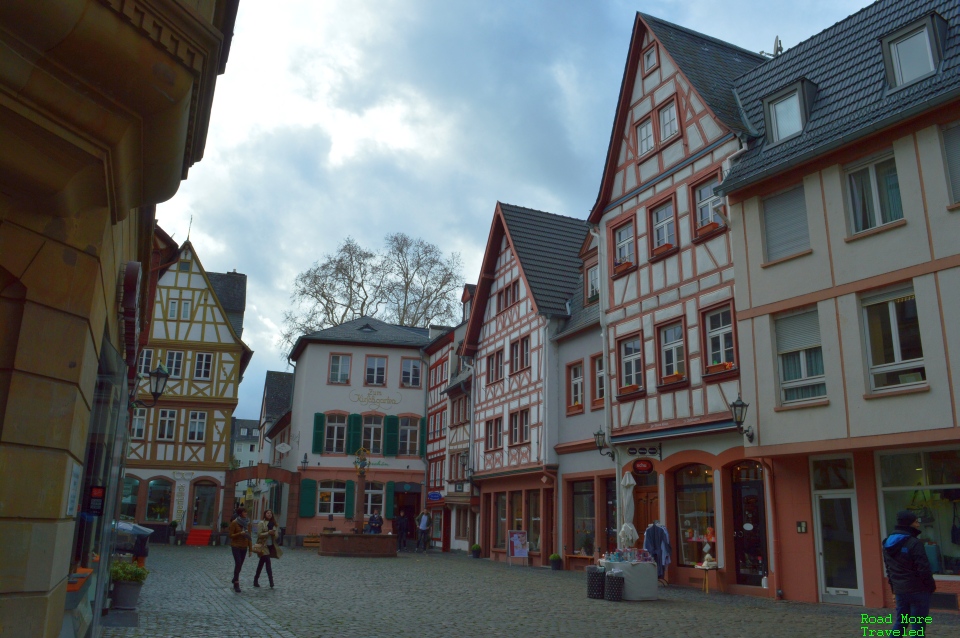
[
  {"x": 350, "y": 500},
  {"x": 423, "y": 437},
  {"x": 308, "y": 498},
  {"x": 354, "y": 434},
  {"x": 388, "y": 501},
  {"x": 319, "y": 420},
  {"x": 391, "y": 435}
]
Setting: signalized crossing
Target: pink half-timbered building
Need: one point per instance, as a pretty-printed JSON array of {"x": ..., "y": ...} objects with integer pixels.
[
  {"x": 529, "y": 269},
  {"x": 671, "y": 341}
]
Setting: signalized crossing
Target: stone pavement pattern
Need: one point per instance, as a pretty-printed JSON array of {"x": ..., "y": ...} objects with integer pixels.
[{"x": 188, "y": 594}]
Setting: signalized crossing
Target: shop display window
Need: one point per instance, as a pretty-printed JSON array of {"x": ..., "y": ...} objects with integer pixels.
[
  {"x": 927, "y": 483},
  {"x": 695, "y": 514},
  {"x": 501, "y": 539},
  {"x": 584, "y": 518},
  {"x": 533, "y": 520},
  {"x": 516, "y": 510},
  {"x": 159, "y": 492},
  {"x": 333, "y": 497},
  {"x": 128, "y": 501}
]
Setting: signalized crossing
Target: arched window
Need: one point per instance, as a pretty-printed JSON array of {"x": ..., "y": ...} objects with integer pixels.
[
  {"x": 158, "y": 500},
  {"x": 128, "y": 500},
  {"x": 696, "y": 529}
]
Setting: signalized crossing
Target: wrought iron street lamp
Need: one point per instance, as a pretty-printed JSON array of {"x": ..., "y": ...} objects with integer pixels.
[
  {"x": 158, "y": 384},
  {"x": 304, "y": 463},
  {"x": 601, "y": 440},
  {"x": 739, "y": 411}
]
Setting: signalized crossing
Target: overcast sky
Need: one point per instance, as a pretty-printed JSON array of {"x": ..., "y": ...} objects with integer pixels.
[{"x": 363, "y": 118}]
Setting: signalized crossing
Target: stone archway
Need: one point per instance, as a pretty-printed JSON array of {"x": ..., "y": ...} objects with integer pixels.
[{"x": 262, "y": 472}]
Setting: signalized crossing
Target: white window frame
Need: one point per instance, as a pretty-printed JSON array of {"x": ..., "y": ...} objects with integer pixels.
[
  {"x": 599, "y": 378},
  {"x": 337, "y": 427},
  {"x": 379, "y": 373},
  {"x": 805, "y": 379},
  {"x": 197, "y": 427},
  {"x": 676, "y": 348},
  {"x": 623, "y": 237},
  {"x": 647, "y": 57},
  {"x": 707, "y": 207},
  {"x": 409, "y": 437},
  {"x": 173, "y": 308},
  {"x": 373, "y": 497},
  {"x": 576, "y": 384},
  {"x": 520, "y": 426},
  {"x": 719, "y": 333},
  {"x": 631, "y": 366},
  {"x": 669, "y": 125},
  {"x": 895, "y": 56},
  {"x": 184, "y": 309},
  {"x": 774, "y": 124},
  {"x": 243, "y": 431},
  {"x": 593, "y": 281},
  {"x": 664, "y": 229},
  {"x": 494, "y": 433},
  {"x": 877, "y": 213},
  {"x": 145, "y": 362},
  {"x": 410, "y": 378},
  {"x": 139, "y": 423},
  {"x": 203, "y": 366},
  {"x": 337, "y": 363},
  {"x": 175, "y": 363},
  {"x": 373, "y": 433},
  {"x": 645, "y": 141},
  {"x": 890, "y": 299},
  {"x": 167, "y": 425},
  {"x": 335, "y": 505}
]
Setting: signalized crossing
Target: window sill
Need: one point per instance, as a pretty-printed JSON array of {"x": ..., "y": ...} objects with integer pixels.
[
  {"x": 411, "y": 387},
  {"x": 574, "y": 409},
  {"x": 347, "y": 382},
  {"x": 874, "y": 231},
  {"x": 800, "y": 406},
  {"x": 633, "y": 395},
  {"x": 808, "y": 251},
  {"x": 663, "y": 255},
  {"x": 896, "y": 393},
  {"x": 524, "y": 369},
  {"x": 721, "y": 376},
  {"x": 710, "y": 234},
  {"x": 374, "y": 385},
  {"x": 953, "y": 207},
  {"x": 674, "y": 385},
  {"x": 518, "y": 443},
  {"x": 596, "y": 404},
  {"x": 624, "y": 272}
]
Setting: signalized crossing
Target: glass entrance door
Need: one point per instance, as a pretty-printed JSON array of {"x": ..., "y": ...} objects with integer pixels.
[
  {"x": 749, "y": 524},
  {"x": 204, "y": 502},
  {"x": 838, "y": 548}
]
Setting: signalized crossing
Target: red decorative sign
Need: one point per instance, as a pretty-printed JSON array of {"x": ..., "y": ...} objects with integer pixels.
[
  {"x": 95, "y": 502},
  {"x": 643, "y": 466}
]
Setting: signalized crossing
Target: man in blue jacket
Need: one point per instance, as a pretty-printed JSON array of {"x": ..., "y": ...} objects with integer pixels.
[{"x": 909, "y": 572}]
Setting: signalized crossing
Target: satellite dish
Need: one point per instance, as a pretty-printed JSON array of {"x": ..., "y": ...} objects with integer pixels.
[
  {"x": 777, "y": 46},
  {"x": 283, "y": 448}
]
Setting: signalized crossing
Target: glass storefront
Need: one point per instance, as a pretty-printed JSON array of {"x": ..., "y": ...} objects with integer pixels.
[
  {"x": 695, "y": 514},
  {"x": 533, "y": 520},
  {"x": 516, "y": 510},
  {"x": 584, "y": 517},
  {"x": 749, "y": 523},
  {"x": 501, "y": 538},
  {"x": 159, "y": 497},
  {"x": 928, "y": 484},
  {"x": 128, "y": 500}
]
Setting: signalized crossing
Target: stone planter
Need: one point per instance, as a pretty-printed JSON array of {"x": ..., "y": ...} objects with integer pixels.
[{"x": 125, "y": 594}]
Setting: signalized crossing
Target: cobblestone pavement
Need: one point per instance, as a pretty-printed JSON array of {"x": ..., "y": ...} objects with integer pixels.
[{"x": 188, "y": 594}]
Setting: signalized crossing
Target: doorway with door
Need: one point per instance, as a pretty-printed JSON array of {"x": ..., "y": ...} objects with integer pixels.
[
  {"x": 646, "y": 503},
  {"x": 837, "y": 530},
  {"x": 749, "y": 523},
  {"x": 204, "y": 504}
]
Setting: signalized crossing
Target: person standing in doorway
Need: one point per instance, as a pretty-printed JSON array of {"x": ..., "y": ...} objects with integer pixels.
[
  {"x": 909, "y": 572},
  {"x": 375, "y": 522},
  {"x": 239, "y": 531},
  {"x": 423, "y": 525},
  {"x": 267, "y": 536},
  {"x": 400, "y": 528}
]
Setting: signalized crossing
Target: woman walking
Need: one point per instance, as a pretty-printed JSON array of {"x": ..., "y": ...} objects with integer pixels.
[
  {"x": 240, "y": 543},
  {"x": 267, "y": 536}
]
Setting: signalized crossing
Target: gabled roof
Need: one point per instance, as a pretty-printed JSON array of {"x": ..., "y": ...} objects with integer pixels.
[
  {"x": 365, "y": 331},
  {"x": 546, "y": 247},
  {"x": 250, "y": 425},
  {"x": 277, "y": 394},
  {"x": 710, "y": 64},
  {"x": 231, "y": 290},
  {"x": 852, "y": 99}
]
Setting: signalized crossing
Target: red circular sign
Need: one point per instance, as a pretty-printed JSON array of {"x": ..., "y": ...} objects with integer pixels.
[{"x": 643, "y": 466}]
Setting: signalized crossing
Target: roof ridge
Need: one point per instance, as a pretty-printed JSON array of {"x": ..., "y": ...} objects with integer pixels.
[
  {"x": 535, "y": 210},
  {"x": 647, "y": 16}
]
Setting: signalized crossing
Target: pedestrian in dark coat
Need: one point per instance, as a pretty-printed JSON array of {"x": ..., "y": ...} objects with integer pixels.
[
  {"x": 375, "y": 522},
  {"x": 909, "y": 572},
  {"x": 240, "y": 544},
  {"x": 401, "y": 528}
]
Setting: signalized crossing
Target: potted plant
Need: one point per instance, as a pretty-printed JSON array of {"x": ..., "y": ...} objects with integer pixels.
[
  {"x": 127, "y": 579},
  {"x": 172, "y": 535},
  {"x": 475, "y": 550},
  {"x": 673, "y": 378},
  {"x": 719, "y": 366},
  {"x": 556, "y": 563}
]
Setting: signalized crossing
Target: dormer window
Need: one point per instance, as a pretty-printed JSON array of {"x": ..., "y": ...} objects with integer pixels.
[
  {"x": 913, "y": 52},
  {"x": 593, "y": 283},
  {"x": 788, "y": 110}
]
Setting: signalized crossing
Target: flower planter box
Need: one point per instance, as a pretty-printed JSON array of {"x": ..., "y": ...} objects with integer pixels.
[
  {"x": 719, "y": 367},
  {"x": 673, "y": 378},
  {"x": 659, "y": 250},
  {"x": 623, "y": 267},
  {"x": 708, "y": 228},
  {"x": 629, "y": 389},
  {"x": 593, "y": 298}
]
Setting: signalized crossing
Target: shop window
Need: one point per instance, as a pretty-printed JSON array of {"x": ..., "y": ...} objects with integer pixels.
[
  {"x": 533, "y": 520},
  {"x": 128, "y": 502},
  {"x": 928, "y": 484},
  {"x": 695, "y": 514},
  {"x": 159, "y": 492},
  {"x": 333, "y": 497},
  {"x": 833, "y": 474},
  {"x": 500, "y": 538},
  {"x": 373, "y": 433},
  {"x": 584, "y": 517},
  {"x": 373, "y": 498},
  {"x": 516, "y": 510}
]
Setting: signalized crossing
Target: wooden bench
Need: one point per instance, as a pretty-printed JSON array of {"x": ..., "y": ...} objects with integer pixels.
[{"x": 577, "y": 562}]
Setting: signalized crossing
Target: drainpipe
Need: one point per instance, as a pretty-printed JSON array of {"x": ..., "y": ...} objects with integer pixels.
[
  {"x": 607, "y": 424},
  {"x": 727, "y": 165}
]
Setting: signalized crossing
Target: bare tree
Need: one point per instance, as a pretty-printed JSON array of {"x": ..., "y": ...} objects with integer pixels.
[{"x": 409, "y": 283}]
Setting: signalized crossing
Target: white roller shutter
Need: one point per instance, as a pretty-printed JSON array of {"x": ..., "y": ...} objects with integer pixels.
[
  {"x": 785, "y": 224},
  {"x": 798, "y": 332}
]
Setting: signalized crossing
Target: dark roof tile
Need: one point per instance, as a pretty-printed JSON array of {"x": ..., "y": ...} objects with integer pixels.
[
  {"x": 231, "y": 289},
  {"x": 277, "y": 394}
]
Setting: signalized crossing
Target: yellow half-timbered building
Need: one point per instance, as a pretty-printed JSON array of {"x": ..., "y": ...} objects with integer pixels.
[{"x": 180, "y": 448}]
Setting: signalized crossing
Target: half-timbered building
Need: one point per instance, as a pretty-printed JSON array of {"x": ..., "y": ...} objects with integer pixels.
[
  {"x": 180, "y": 448},
  {"x": 530, "y": 267},
  {"x": 668, "y": 307}
]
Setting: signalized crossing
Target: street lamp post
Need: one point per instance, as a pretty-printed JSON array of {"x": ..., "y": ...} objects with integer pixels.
[
  {"x": 601, "y": 440},
  {"x": 739, "y": 411},
  {"x": 158, "y": 384}
]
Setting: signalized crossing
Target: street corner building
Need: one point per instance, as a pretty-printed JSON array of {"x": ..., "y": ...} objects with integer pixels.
[{"x": 106, "y": 107}]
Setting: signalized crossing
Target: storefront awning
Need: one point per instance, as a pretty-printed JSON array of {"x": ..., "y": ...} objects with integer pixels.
[{"x": 672, "y": 433}]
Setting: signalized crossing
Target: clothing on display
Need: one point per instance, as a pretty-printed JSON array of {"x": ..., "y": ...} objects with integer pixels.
[{"x": 656, "y": 540}]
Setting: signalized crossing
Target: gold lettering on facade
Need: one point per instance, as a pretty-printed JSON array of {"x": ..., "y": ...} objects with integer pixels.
[{"x": 374, "y": 399}]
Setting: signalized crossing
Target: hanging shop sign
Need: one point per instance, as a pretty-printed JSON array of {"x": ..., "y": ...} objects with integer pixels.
[
  {"x": 95, "y": 500},
  {"x": 643, "y": 466},
  {"x": 434, "y": 496},
  {"x": 648, "y": 450}
]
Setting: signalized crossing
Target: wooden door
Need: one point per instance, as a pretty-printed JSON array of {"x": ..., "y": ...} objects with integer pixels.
[{"x": 646, "y": 503}]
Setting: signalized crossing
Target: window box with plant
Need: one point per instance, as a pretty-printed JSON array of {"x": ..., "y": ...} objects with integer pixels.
[
  {"x": 620, "y": 267},
  {"x": 127, "y": 579},
  {"x": 475, "y": 550},
  {"x": 718, "y": 367}
]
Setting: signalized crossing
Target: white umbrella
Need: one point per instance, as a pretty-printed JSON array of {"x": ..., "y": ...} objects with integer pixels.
[
  {"x": 628, "y": 533},
  {"x": 133, "y": 528}
]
